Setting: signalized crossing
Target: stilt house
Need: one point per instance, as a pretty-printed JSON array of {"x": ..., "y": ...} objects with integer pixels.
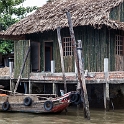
[{"x": 99, "y": 24}]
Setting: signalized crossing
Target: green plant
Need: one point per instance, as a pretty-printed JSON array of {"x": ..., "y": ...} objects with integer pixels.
[{"x": 11, "y": 11}]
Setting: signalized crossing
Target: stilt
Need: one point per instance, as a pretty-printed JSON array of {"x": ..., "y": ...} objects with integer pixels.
[
  {"x": 25, "y": 87},
  {"x": 106, "y": 85},
  {"x": 80, "y": 69},
  {"x": 57, "y": 89},
  {"x": 30, "y": 87},
  {"x": 106, "y": 96},
  {"x": 12, "y": 85},
  {"x": 54, "y": 88}
]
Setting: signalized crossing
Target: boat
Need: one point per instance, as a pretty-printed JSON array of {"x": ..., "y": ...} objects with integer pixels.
[{"x": 33, "y": 103}]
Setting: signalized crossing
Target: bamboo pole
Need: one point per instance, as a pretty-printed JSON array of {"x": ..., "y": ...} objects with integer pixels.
[
  {"x": 80, "y": 76},
  {"x": 62, "y": 61}
]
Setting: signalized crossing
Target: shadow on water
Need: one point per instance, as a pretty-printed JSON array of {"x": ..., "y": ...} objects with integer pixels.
[{"x": 73, "y": 116}]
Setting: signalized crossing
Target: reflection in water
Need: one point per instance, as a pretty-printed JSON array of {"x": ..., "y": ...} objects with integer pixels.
[{"x": 74, "y": 116}]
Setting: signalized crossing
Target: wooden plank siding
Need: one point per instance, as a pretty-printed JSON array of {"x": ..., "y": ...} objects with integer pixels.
[
  {"x": 117, "y": 13},
  {"x": 48, "y": 36},
  {"x": 97, "y": 45},
  {"x": 20, "y": 50},
  {"x": 68, "y": 61}
]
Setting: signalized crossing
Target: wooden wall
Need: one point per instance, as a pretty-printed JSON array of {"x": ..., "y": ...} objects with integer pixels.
[
  {"x": 20, "y": 50},
  {"x": 68, "y": 61},
  {"x": 97, "y": 45},
  {"x": 117, "y": 13}
]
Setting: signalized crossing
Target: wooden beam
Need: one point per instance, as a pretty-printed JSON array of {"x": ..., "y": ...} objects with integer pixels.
[
  {"x": 79, "y": 69},
  {"x": 62, "y": 60}
]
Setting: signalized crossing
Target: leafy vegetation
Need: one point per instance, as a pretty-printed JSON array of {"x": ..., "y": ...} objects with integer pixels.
[{"x": 11, "y": 11}]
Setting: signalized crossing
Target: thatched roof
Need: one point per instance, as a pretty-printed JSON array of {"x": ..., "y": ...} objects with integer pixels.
[{"x": 51, "y": 15}]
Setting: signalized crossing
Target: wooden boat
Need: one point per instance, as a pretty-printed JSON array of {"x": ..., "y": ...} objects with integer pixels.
[{"x": 33, "y": 103}]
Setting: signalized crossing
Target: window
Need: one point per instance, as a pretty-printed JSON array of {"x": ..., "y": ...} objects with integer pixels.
[
  {"x": 67, "y": 46},
  {"x": 119, "y": 45}
]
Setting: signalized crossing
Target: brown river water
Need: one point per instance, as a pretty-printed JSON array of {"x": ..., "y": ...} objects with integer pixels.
[{"x": 73, "y": 116}]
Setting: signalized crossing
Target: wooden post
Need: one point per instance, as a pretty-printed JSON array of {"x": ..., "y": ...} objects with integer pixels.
[
  {"x": 12, "y": 85},
  {"x": 52, "y": 66},
  {"x": 62, "y": 60},
  {"x": 79, "y": 69},
  {"x": 10, "y": 73},
  {"x": 30, "y": 87},
  {"x": 79, "y": 53},
  {"x": 81, "y": 64},
  {"x": 54, "y": 88},
  {"x": 106, "y": 85},
  {"x": 75, "y": 67},
  {"x": 25, "y": 87}
]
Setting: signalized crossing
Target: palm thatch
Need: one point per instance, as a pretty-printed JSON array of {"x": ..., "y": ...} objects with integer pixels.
[{"x": 52, "y": 15}]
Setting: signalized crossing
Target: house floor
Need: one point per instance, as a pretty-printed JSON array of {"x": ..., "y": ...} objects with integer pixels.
[{"x": 115, "y": 77}]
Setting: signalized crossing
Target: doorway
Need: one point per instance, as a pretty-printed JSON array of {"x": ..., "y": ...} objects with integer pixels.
[
  {"x": 35, "y": 56},
  {"x": 48, "y": 55}
]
